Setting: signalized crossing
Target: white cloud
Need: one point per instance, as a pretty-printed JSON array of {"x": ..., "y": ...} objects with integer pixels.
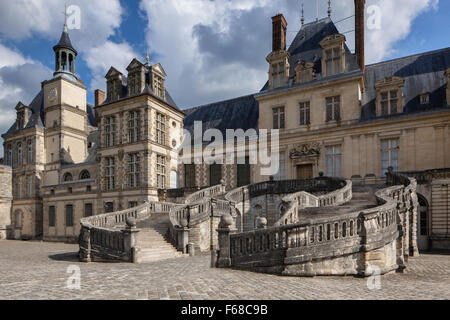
[{"x": 236, "y": 65}]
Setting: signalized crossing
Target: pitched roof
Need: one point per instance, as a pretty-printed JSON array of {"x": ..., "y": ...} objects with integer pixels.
[
  {"x": 64, "y": 42},
  {"x": 306, "y": 47},
  {"x": 239, "y": 113},
  {"x": 422, "y": 73}
]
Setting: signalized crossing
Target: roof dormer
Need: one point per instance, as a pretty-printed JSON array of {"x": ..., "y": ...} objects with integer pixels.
[
  {"x": 136, "y": 77},
  {"x": 23, "y": 114},
  {"x": 157, "y": 79},
  {"x": 304, "y": 72},
  {"x": 333, "y": 55},
  {"x": 113, "y": 84},
  {"x": 390, "y": 97}
]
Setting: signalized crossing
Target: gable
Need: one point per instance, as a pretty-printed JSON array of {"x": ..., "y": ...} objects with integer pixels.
[
  {"x": 159, "y": 68},
  {"x": 134, "y": 64},
  {"x": 113, "y": 72}
]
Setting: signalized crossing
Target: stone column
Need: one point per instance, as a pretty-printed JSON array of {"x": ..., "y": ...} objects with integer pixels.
[
  {"x": 183, "y": 236},
  {"x": 224, "y": 253},
  {"x": 85, "y": 236},
  {"x": 130, "y": 240}
]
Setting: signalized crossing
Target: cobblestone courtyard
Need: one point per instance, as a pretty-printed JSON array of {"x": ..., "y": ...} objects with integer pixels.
[{"x": 35, "y": 270}]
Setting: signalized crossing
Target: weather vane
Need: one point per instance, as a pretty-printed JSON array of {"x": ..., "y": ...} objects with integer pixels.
[
  {"x": 303, "y": 15},
  {"x": 65, "y": 17},
  {"x": 329, "y": 8}
]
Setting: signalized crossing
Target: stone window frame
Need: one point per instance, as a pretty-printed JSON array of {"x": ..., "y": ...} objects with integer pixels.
[
  {"x": 278, "y": 69},
  {"x": 390, "y": 152},
  {"x": 305, "y": 111},
  {"x": 9, "y": 155},
  {"x": 67, "y": 177},
  {"x": 69, "y": 219},
  {"x": 51, "y": 216},
  {"x": 30, "y": 155},
  {"x": 110, "y": 128},
  {"x": 19, "y": 154},
  {"x": 161, "y": 171},
  {"x": 161, "y": 128},
  {"x": 333, "y": 156},
  {"x": 281, "y": 174},
  {"x": 84, "y": 209},
  {"x": 134, "y": 126},
  {"x": 110, "y": 173},
  {"x": 424, "y": 98},
  {"x": 85, "y": 175},
  {"x": 304, "y": 72},
  {"x": 29, "y": 183},
  {"x": 333, "y": 108},
  {"x": 387, "y": 86},
  {"x": 134, "y": 170},
  {"x": 334, "y": 44},
  {"x": 279, "y": 117}
]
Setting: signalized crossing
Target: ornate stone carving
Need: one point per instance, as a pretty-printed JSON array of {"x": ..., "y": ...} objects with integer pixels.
[{"x": 306, "y": 150}]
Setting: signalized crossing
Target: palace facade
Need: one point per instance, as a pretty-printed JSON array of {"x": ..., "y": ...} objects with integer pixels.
[{"x": 336, "y": 116}]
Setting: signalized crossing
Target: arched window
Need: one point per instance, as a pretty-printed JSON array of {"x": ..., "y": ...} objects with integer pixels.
[
  {"x": 9, "y": 156},
  {"x": 68, "y": 177},
  {"x": 84, "y": 175}
]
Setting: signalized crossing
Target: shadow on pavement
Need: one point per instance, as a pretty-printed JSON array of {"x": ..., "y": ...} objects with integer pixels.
[{"x": 70, "y": 257}]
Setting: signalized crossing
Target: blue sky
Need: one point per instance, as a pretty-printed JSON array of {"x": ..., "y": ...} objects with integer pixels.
[{"x": 211, "y": 50}]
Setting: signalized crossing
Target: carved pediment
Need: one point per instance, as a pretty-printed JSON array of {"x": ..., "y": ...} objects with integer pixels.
[
  {"x": 332, "y": 40},
  {"x": 306, "y": 150},
  {"x": 390, "y": 82},
  {"x": 159, "y": 69},
  {"x": 135, "y": 63},
  {"x": 113, "y": 73}
]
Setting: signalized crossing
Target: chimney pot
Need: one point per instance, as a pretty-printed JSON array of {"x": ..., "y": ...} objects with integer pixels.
[
  {"x": 279, "y": 26},
  {"x": 99, "y": 97}
]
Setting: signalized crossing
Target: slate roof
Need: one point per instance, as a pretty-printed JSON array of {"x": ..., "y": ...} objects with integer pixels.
[
  {"x": 64, "y": 42},
  {"x": 239, "y": 113},
  {"x": 306, "y": 47},
  {"x": 422, "y": 73}
]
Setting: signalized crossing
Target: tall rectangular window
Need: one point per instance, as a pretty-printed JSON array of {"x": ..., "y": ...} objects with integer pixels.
[
  {"x": 333, "y": 108},
  {"x": 9, "y": 156},
  {"x": 334, "y": 161},
  {"x": 278, "y": 118},
  {"x": 134, "y": 126},
  {"x": 189, "y": 175},
  {"x": 69, "y": 215},
  {"x": 110, "y": 131},
  {"x": 389, "y": 102},
  {"x": 243, "y": 173},
  {"x": 160, "y": 128},
  {"x": 110, "y": 173},
  {"x": 389, "y": 155},
  {"x": 51, "y": 216},
  {"x": 133, "y": 170},
  {"x": 158, "y": 84},
  {"x": 305, "y": 113},
  {"x": 109, "y": 207},
  {"x": 30, "y": 152},
  {"x": 281, "y": 174},
  {"x": 161, "y": 172},
  {"x": 88, "y": 210},
  {"x": 19, "y": 155},
  {"x": 29, "y": 186},
  {"x": 333, "y": 61}
]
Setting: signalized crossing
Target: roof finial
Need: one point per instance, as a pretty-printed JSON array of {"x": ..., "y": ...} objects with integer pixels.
[
  {"x": 317, "y": 10},
  {"x": 65, "y": 17},
  {"x": 303, "y": 15},
  {"x": 147, "y": 58},
  {"x": 329, "y": 8}
]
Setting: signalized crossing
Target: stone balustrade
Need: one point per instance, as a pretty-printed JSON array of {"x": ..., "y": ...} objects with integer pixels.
[
  {"x": 112, "y": 236},
  {"x": 350, "y": 243}
]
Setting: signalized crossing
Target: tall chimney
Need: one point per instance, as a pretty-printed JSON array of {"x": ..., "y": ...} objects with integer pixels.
[
  {"x": 359, "y": 32},
  {"x": 99, "y": 97},
  {"x": 279, "y": 33}
]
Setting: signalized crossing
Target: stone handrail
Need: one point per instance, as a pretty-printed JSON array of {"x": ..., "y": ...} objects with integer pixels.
[
  {"x": 206, "y": 193},
  {"x": 302, "y": 199},
  {"x": 107, "y": 237},
  {"x": 428, "y": 176},
  {"x": 277, "y": 248}
]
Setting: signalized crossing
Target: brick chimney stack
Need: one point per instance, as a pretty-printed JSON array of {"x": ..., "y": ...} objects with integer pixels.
[
  {"x": 99, "y": 97},
  {"x": 279, "y": 33},
  {"x": 359, "y": 32}
]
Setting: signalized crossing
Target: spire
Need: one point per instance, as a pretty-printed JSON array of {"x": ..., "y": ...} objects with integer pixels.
[
  {"x": 303, "y": 15},
  {"x": 329, "y": 8},
  {"x": 317, "y": 10}
]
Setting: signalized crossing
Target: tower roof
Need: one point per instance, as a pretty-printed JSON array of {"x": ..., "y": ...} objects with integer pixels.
[{"x": 64, "y": 42}]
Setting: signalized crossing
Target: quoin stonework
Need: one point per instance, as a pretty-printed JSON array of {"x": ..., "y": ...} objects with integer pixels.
[{"x": 363, "y": 155}]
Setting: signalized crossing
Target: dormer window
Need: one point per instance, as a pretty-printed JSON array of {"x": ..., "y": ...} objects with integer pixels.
[
  {"x": 277, "y": 74},
  {"x": 333, "y": 61},
  {"x": 304, "y": 72},
  {"x": 425, "y": 98},
  {"x": 389, "y": 96},
  {"x": 158, "y": 86},
  {"x": 333, "y": 57},
  {"x": 158, "y": 77}
]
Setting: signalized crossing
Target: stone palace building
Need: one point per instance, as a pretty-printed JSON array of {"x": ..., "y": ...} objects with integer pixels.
[{"x": 337, "y": 117}]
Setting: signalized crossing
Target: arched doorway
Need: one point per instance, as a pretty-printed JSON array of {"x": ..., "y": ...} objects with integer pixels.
[{"x": 423, "y": 226}]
